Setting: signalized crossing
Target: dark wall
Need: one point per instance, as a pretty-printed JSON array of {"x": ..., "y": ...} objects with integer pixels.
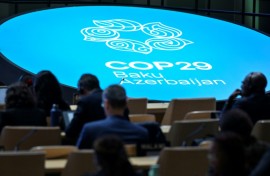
[
  {"x": 10, "y": 73},
  {"x": 229, "y": 10}
]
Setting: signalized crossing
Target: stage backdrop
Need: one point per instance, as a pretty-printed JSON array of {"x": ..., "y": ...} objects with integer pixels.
[{"x": 153, "y": 53}]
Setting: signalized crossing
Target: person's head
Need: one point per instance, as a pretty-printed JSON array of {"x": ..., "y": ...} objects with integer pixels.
[
  {"x": 254, "y": 82},
  {"x": 111, "y": 156},
  {"x": 47, "y": 88},
  {"x": 87, "y": 83},
  {"x": 227, "y": 155},
  {"x": 18, "y": 95},
  {"x": 237, "y": 121},
  {"x": 26, "y": 79},
  {"x": 114, "y": 100}
]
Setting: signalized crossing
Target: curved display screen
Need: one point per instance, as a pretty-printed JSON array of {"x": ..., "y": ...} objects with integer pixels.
[{"x": 153, "y": 53}]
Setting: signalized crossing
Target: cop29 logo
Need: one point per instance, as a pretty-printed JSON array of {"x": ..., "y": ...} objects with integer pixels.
[{"x": 157, "y": 36}]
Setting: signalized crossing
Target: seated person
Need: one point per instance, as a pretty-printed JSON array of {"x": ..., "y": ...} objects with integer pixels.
[
  {"x": 21, "y": 108},
  {"x": 262, "y": 169},
  {"x": 88, "y": 106},
  {"x": 115, "y": 102},
  {"x": 47, "y": 90},
  {"x": 227, "y": 156},
  {"x": 239, "y": 122},
  {"x": 253, "y": 99},
  {"x": 112, "y": 158}
]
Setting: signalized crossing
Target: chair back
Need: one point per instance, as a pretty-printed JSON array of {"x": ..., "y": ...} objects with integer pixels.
[
  {"x": 184, "y": 132},
  {"x": 187, "y": 161},
  {"x": 261, "y": 130},
  {"x": 79, "y": 163},
  {"x": 137, "y": 105},
  {"x": 26, "y": 137},
  {"x": 202, "y": 115},
  {"x": 137, "y": 118},
  {"x": 178, "y": 108},
  {"x": 55, "y": 151},
  {"x": 22, "y": 163}
]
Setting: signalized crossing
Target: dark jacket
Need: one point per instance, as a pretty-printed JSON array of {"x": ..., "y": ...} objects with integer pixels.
[
  {"x": 89, "y": 109},
  {"x": 117, "y": 125},
  {"x": 257, "y": 106},
  {"x": 22, "y": 117}
]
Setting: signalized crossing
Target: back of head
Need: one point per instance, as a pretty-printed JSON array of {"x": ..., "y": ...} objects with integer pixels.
[
  {"x": 254, "y": 82},
  {"x": 116, "y": 96},
  {"x": 47, "y": 90},
  {"x": 26, "y": 79},
  {"x": 18, "y": 95},
  {"x": 47, "y": 86},
  {"x": 227, "y": 155},
  {"x": 237, "y": 121},
  {"x": 112, "y": 157},
  {"x": 87, "y": 82}
]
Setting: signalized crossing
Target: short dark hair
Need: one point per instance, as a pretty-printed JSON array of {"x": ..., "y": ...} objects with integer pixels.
[
  {"x": 237, "y": 121},
  {"x": 229, "y": 149},
  {"x": 257, "y": 81},
  {"x": 109, "y": 146},
  {"x": 18, "y": 95},
  {"x": 116, "y": 95},
  {"x": 112, "y": 157},
  {"x": 88, "y": 81}
]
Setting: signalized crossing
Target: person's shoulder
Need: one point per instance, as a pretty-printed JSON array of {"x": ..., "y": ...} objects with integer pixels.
[
  {"x": 39, "y": 110},
  {"x": 8, "y": 113},
  {"x": 64, "y": 105},
  {"x": 243, "y": 101},
  {"x": 261, "y": 98},
  {"x": 140, "y": 129},
  {"x": 19, "y": 113},
  {"x": 96, "y": 124},
  {"x": 84, "y": 102},
  {"x": 25, "y": 110},
  {"x": 92, "y": 98},
  {"x": 3, "y": 113},
  {"x": 34, "y": 110}
]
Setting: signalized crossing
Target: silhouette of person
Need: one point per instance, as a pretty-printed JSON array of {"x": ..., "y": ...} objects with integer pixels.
[
  {"x": 21, "y": 108},
  {"x": 89, "y": 106},
  {"x": 253, "y": 99},
  {"x": 115, "y": 102},
  {"x": 48, "y": 91},
  {"x": 227, "y": 156},
  {"x": 112, "y": 158}
]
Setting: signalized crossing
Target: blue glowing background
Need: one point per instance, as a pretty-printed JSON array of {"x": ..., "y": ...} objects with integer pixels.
[{"x": 53, "y": 39}]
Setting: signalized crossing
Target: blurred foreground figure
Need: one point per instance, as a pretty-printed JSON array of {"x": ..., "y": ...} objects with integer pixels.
[{"x": 112, "y": 158}]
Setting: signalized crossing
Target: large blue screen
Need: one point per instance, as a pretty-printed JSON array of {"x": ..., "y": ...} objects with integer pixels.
[{"x": 158, "y": 54}]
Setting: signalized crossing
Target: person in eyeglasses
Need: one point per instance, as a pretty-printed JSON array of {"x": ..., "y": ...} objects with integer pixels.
[{"x": 252, "y": 97}]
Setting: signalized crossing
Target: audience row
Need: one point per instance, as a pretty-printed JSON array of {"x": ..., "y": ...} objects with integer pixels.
[{"x": 100, "y": 113}]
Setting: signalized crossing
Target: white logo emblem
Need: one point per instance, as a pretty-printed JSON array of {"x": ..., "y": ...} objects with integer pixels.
[{"x": 162, "y": 37}]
